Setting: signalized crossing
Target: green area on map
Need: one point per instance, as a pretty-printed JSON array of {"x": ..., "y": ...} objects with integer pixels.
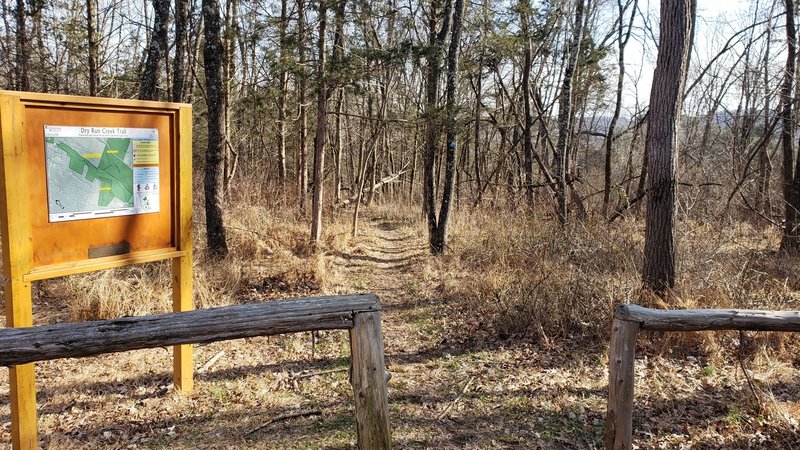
[{"x": 116, "y": 177}]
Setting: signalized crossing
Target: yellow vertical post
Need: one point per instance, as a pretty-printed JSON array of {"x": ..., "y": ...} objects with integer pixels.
[
  {"x": 183, "y": 370},
  {"x": 17, "y": 262}
]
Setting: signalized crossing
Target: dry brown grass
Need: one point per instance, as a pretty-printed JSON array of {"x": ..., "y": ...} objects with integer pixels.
[
  {"x": 526, "y": 276},
  {"x": 132, "y": 291}
]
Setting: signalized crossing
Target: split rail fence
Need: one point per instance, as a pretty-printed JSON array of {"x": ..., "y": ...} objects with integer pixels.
[
  {"x": 629, "y": 319},
  {"x": 360, "y": 314}
]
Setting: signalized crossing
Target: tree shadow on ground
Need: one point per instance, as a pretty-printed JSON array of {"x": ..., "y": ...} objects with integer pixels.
[
  {"x": 729, "y": 410},
  {"x": 387, "y": 225},
  {"x": 156, "y": 385},
  {"x": 411, "y": 304},
  {"x": 416, "y": 251},
  {"x": 249, "y": 427},
  {"x": 508, "y": 419},
  {"x": 402, "y": 239},
  {"x": 395, "y": 262},
  {"x": 548, "y": 357}
]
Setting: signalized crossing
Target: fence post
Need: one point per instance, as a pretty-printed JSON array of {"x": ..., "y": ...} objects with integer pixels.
[
  {"x": 369, "y": 382},
  {"x": 619, "y": 416}
]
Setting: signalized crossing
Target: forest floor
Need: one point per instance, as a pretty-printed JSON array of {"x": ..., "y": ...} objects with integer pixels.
[{"x": 448, "y": 390}]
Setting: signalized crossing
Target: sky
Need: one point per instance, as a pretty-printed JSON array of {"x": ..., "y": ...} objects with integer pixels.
[{"x": 715, "y": 24}]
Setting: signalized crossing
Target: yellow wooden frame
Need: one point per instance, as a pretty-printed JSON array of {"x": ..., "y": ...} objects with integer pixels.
[{"x": 15, "y": 229}]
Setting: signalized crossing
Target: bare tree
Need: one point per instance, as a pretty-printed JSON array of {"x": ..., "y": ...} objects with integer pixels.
[
  {"x": 91, "y": 18},
  {"x": 437, "y": 226},
  {"x": 666, "y": 101},
  {"x": 623, "y": 37},
  {"x": 179, "y": 62},
  {"x": 214, "y": 170},
  {"x": 565, "y": 113},
  {"x": 156, "y": 51},
  {"x": 791, "y": 174},
  {"x": 230, "y": 31},
  {"x": 763, "y": 202},
  {"x": 436, "y": 42},
  {"x": 283, "y": 86},
  {"x": 527, "y": 144},
  {"x": 301, "y": 161},
  {"x": 338, "y": 54},
  {"x": 23, "y": 60},
  {"x": 322, "y": 118}
]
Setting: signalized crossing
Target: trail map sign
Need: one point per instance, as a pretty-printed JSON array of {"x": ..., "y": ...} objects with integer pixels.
[
  {"x": 90, "y": 184},
  {"x": 100, "y": 172}
]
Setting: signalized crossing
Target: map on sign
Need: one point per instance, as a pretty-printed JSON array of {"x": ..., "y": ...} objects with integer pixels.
[{"x": 95, "y": 172}]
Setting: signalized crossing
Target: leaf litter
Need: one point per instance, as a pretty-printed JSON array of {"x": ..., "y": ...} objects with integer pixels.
[{"x": 448, "y": 390}]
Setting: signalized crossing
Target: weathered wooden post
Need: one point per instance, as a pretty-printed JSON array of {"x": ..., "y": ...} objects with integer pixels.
[
  {"x": 629, "y": 319},
  {"x": 619, "y": 416},
  {"x": 369, "y": 382}
]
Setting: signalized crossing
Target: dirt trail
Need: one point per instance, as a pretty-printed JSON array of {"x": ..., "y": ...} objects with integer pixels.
[
  {"x": 387, "y": 262},
  {"x": 445, "y": 393},
  {"x": 385, "y": 259}
]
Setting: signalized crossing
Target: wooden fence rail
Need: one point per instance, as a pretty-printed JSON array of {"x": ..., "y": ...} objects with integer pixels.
[
  {"x": 358, "y": 313},
  {"x": 629, "y": 319}
]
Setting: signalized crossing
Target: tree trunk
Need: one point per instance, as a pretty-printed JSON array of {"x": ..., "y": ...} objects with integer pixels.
[
  {"x": 438, "y": 240},
  {"x": 23, "y": 50},
  {"x": 666, "y": 100},
  {"x": 339, "y": 146},
  {"x": 764, "y": 200},
  {"x": 319, "y": 138},
  {"x": 641, "y": 188},
  {"x": 178, "y": 64},
  {"x": 413, "y": 165},
  {"x": 373, "y": 173},
  {"x": 213, "y": 183},
  {"x": 527, "y": 142},
  {"x": 91, "y": 14},
  {"x": 791, "y": 178},
  {"x": 434, "y": 70},
  {"x": 565, "y": 114},
  {"x": 194, "y": 32},
  {"x": 477, "y": 132},
  {"x": 283, "y": 80},
  {"x": 156, "y": 51},
  {"x": 228, "y": 70},
  {"x": 10, "y": 72},
  {"x": 338, "y": 54},
  {"x": 302, "y": 159}
]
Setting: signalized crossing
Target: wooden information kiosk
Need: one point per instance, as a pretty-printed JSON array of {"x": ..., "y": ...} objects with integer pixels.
[{"x": 90, "y": 184}]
